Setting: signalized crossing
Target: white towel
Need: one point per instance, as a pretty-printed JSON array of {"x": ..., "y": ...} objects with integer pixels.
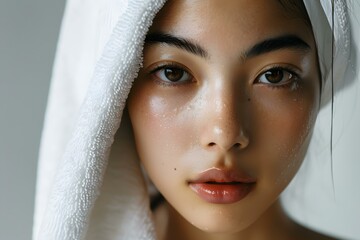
[
  {"x": 87, "y": 129},
  {"x": 324, "y": 194}
]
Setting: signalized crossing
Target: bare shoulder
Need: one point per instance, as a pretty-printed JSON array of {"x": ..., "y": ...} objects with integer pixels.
[{"x": 309, "y": 234}]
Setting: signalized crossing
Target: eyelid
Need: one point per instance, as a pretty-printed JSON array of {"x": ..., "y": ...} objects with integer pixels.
[{"x": 157, "y": 66}]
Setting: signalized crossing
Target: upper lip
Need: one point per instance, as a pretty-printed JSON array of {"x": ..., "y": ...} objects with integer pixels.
[{"x": 217, "y": 175}]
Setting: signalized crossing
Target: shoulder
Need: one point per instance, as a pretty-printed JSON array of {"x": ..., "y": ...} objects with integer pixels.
[{"x": 309, "y": 234}]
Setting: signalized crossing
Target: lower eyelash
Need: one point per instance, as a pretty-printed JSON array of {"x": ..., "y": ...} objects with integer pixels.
[{"x": 291, "y": 84}]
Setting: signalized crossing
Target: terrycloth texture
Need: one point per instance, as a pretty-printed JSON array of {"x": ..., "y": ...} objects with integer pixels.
[
  {"x": 81, "y": 170},
  {"x": 98, "y": 195},
  {"x": 86, "y": 27}
]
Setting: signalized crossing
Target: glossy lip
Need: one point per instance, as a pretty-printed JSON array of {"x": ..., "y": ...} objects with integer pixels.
[{"x": 221, "y": 186}]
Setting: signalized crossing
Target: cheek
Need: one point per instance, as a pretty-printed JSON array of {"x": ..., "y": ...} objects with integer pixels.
[
  {"x": 282, "y": 129},
  {"x": 161, "y": 133}
]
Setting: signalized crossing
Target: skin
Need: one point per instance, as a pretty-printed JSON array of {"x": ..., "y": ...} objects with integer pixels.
[{"x": 223, "y": 114}]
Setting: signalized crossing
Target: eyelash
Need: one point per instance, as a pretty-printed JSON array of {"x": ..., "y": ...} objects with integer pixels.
[
  {"x": 172, "y": 65},
  {"x": 285, "y": 69}
]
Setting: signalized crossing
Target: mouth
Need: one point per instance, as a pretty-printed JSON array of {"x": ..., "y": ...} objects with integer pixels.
[{"x": 222, "y": 186}]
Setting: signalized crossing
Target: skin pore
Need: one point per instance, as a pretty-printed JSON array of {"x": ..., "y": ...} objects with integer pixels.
[{"x": 230, "y": 85}]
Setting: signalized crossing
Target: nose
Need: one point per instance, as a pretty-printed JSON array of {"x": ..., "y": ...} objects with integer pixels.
[{"x": 224, "y": 120}]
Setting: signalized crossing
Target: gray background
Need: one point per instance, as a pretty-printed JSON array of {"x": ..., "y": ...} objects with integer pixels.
[{"x": 28, "y": 36}]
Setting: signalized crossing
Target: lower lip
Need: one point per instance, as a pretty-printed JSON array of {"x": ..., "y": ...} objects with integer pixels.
[{"x": 222, "y": 193}]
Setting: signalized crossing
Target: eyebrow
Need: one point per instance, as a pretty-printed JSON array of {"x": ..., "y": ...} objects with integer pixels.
[
  {"x": 268, "y": 45},
  {"x": 277, "y": 43},
  {"x": 176, "y": 41}
]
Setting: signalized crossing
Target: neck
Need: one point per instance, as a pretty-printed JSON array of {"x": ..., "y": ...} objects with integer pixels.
[{"x": 273, "y": 224}]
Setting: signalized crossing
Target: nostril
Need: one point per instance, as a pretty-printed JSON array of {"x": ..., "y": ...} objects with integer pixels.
[
  {"x": 211, "y": 144},
  {"x": 236, "y": 145}
]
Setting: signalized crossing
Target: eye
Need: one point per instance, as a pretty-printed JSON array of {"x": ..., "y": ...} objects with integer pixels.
[
  {"x": 277, "y": 76},
  {"x": 172, "y": 74}
]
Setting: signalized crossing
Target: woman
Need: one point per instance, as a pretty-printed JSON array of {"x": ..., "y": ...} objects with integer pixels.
[{"x": 222, "y": 113}]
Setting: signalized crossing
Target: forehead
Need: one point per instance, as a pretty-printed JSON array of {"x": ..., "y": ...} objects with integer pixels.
[{"x": 231, "y": 22}]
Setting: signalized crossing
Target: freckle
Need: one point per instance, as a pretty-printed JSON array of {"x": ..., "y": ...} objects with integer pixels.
[
  {"x": 174, "y": 169},
  {"x": 249, "y": 99}
]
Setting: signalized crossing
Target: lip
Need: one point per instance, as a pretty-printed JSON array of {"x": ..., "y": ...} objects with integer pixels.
[{"x": 221, "y": 186}]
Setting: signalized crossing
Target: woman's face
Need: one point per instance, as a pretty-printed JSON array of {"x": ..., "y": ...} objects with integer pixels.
[{"x": 224, "y": 106}]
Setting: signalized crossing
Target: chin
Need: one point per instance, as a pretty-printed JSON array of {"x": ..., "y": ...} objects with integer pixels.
[
  {"x": 220, "y": 223},
  {"x": 221, "y": 228}
]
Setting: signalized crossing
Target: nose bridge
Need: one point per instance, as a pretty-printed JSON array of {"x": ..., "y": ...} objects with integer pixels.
[
  {"x": 226, "y": 116},
  {"x": 224, "y": 124}
]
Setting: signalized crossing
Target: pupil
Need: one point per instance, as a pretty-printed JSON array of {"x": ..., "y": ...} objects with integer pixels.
[
  {"x": 274, "y": 76},
  {"x": 173, "y": 74}
]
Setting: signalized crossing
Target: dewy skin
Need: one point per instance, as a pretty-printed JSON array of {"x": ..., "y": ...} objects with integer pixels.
[{"x": 232, "y": 70}]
